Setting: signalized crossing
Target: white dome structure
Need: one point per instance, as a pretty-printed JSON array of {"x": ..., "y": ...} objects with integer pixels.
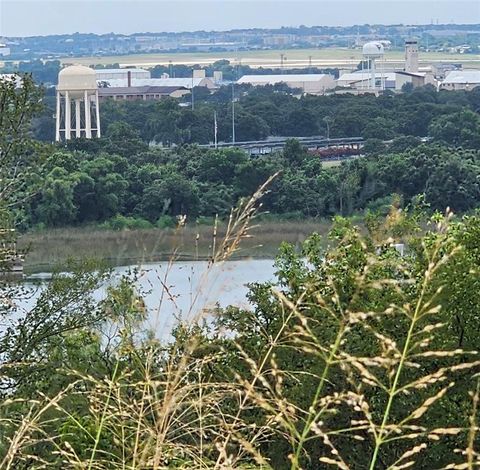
[
  {"x": 77, "y": 78},
  {"x": 77, "y": 85},
  {"x": 373, "y": 50}
]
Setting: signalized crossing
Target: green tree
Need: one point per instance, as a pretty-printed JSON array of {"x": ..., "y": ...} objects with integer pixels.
[{"x": 460, "y": 129}]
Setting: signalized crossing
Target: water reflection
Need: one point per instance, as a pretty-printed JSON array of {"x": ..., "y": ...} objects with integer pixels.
[{"x": 182, "y": 289}]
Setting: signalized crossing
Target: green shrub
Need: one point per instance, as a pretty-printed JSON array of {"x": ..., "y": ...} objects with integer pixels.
[
  {"x": 205, "y": 220},
  {"x": 120, "y": 222},
  {"x": 165, "y": 221}
]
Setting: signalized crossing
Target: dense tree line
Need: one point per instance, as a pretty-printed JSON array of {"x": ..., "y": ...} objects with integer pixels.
[
  {"x": 261, "y": 112},
  {"x": 119, "y": 175},
  {"x": 275, "y": 111}
]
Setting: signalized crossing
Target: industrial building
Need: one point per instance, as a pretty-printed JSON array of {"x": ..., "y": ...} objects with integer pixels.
[
  {"x": 461, "y": 80},
  {"x": 361, "y": 80},
  {"x": 394, "y": 81},
  {"x": 111, "y": 78},
  {"x": 121, "y": 74},
  {"x": 314, "y": 84},
  {"x": 187, "y": 83},
  {"x": 145, "y": 93}
]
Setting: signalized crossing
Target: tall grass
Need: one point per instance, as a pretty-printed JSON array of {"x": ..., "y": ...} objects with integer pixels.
[
  {"x": 181, "y": 405},
  {"x": 55, "y": 246}
]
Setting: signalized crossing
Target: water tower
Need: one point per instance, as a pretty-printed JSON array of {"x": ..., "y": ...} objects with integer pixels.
[
  {"x": 78, "y": 111},
  {"x": 373, "y": 51}
]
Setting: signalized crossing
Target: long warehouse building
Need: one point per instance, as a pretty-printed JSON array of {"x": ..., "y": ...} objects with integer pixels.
[{"x": 314, "y": 83}]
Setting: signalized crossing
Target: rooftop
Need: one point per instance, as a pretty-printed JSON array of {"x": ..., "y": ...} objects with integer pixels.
[
  {"x": 463, "y": 76},
  {"x": 170, "y": 82},
  {"x": 139, "y": 90},
  {"x": 272, "y": 79},
  {"x": 120, "y": 71},
  {"x": 360, "y": 75}
]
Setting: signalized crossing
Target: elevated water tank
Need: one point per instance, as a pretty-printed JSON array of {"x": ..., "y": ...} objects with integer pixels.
[
  {"x": 77, "y": 79},
  {"x": 78, "y": 109},
  {"x": 373, "y": 50}
]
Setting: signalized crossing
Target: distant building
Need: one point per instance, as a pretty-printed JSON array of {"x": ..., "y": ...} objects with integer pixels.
[
  {"x": 279, "y": 40},
  {"x": 441, "y": 70},
  {"x": 461, "y": 80},
  {"x": 121, "y": 74},
  {"x": 415, "y": 79},
  {"x": 145, "y": 93},
  {"x": 314, "y": 84},
  {"x": 209, "y": 46},
  {"x": 361, "y": 80},
  {"x": 394, "y": 81},
  {"x": 186, "y": 83},
  {"x": 4, "y": 50}
]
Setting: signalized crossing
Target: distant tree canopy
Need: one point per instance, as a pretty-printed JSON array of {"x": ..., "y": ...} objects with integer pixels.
[
  {"x": 449, "y": 117},
  {"x": 97, "y": 180}
]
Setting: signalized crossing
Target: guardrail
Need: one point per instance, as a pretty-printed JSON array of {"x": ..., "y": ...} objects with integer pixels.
[{"x": 261, "y": 147}]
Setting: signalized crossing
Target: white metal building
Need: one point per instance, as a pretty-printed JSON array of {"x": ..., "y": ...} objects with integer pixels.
[
  {"x": 160, "y": 82},
  {"x": 315, "y": 83},
  {"x": 461, "y": 80},
  {"x": 121, "y": 74},
  {"x": 361, "y": 80}
]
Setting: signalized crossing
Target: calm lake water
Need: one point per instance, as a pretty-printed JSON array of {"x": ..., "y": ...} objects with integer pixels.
[{"x": 183, "y": 289}]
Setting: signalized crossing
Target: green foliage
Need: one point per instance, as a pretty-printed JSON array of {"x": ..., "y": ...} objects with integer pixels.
[
  {"x": 459, "y": 129},
  {"x": 355, "y": 357},
  {"x": 166, "y": 221},
  {"x": 82, "y": 187},
  {"x": 120, "y": 222},
  {"x": 319, "y": 293},
  {"x": 277, "y": 111}
]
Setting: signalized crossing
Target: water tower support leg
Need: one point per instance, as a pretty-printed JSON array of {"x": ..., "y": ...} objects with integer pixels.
[
  {"x": 57, "y": 120},
  {"x": 97, "y": 112},
  {"x": 68, "y": 116},
  {"x": 77, "y": 119},
  {"x": 88, "y": 117}
]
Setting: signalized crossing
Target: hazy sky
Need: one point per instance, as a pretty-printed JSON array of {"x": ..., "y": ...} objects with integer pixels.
[{"x": 40, "y": 17}]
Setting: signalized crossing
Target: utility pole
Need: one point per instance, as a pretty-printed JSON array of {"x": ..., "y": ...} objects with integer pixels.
[
  {"x": 193, "y": 98},
  {"x": 282, "y": 59},
  {"x": 215, "y": 129},
  {"x": 310, "y": 63},
  {"x": 233, "y": 112}
]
